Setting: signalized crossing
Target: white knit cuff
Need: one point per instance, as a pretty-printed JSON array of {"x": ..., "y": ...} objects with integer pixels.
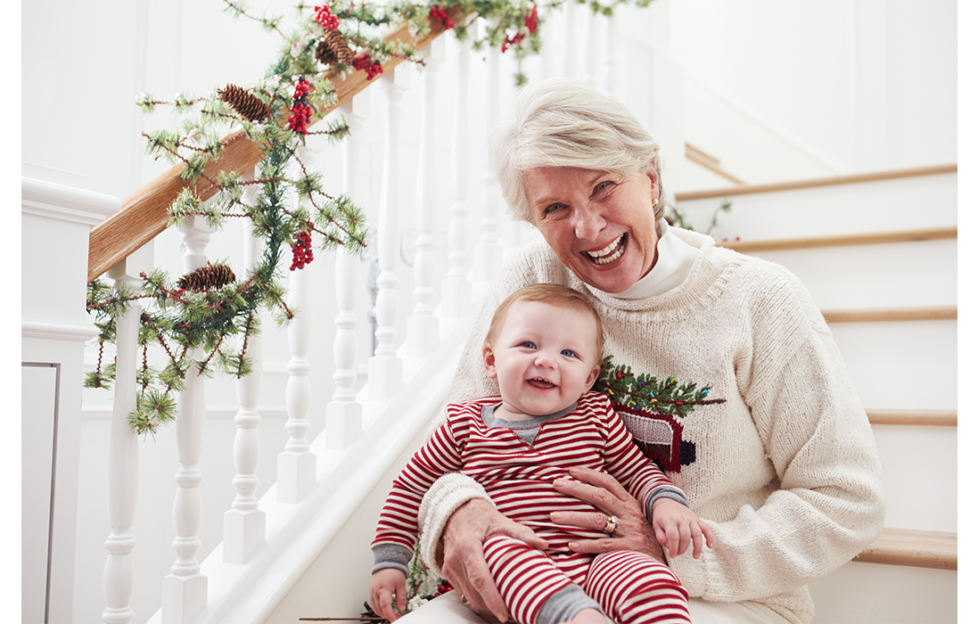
[{"x": 445, "y": 495}]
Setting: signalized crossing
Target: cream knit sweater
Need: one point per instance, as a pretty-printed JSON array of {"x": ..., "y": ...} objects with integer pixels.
[{"x": 785, "y": 469}]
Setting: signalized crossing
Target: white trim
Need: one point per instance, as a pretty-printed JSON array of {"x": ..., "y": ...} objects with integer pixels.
[
  {"x": 48, "y": 199},
  {"x": 57, "y": 331}
]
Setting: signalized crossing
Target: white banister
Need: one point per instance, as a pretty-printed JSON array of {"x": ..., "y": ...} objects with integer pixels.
[
  {"x": 570, "y": 51},
  {"x": 385, "y": 369},
  {"x": 422, "y": 326},
  {"x": 244, "y": 523},
  {"x": 185, "y": 588},
  {"x": 456, "y": 288},
  {"x": 487, "y": 250},
  {"x": 594, "y": 23},
  {"x": 344, "y": 416},
  {"x": 119, "y": 577},
  {"x": 296, "y": 464},
  {"x": 610, "y": 60}
]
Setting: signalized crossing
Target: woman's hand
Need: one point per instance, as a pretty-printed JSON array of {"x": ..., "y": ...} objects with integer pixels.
[
  {"x": 604, "y": 492},
  {"x": 464, "y": 561}
]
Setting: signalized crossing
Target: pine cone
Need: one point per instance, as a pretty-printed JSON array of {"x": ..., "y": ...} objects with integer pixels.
[
  {"x": 334, "y": 48},
  {"x": 207, "y": 277},
  {"x": 246, "y": 104}
]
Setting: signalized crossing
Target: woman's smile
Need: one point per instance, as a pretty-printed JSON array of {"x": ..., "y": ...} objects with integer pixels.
[{"x": 600, "y": 224}]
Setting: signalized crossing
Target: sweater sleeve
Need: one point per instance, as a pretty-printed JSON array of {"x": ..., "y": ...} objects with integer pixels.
[{"x": 829, "y": 505}]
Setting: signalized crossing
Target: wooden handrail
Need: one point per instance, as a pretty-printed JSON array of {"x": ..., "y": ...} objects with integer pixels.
[
  {"x": 872, "y": 315},
  {"x": 926, "y": 418},
  {"x": 819, "y": 182},
  {"x": 144, "y": 212},
  {"x": 844, "y": 240},
  {"x": 908, "y": 547}
]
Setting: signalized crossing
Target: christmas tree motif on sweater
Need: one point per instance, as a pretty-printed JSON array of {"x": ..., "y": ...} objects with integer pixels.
[{"x": 653, "y": 411}]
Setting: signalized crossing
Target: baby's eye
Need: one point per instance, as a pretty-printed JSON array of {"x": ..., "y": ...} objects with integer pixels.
[
  {"x": 526, "y": 344},
  {"x": 568, "y": 353}
]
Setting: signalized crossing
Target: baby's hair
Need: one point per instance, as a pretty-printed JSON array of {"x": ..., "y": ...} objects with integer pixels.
[{"x": 553, "y": 294}]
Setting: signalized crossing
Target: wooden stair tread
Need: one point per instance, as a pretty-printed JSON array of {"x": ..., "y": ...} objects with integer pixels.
[
  {"x": 842, "y": 240},
  {"x": 909, "y": 547}
]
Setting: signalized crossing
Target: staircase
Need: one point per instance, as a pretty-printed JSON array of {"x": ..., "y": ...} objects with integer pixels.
[{"x": 879, "y": 258}]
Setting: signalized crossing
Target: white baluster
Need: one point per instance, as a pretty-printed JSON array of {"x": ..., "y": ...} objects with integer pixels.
[
  {"x": 118, "y": 579},
  {"x": 385, "y": 370},
  {"x": 185, "y": 588},
  {"x": 456, "y": 288},
  {"x": 422, "y": 326},
  {"x": 344, "y": 416},
  {"x": 296, "y": 464},
  {"x": 594, "y": 23},
  {"x": 570, "y": 51},
  {"x": 609, "y": 64},
  {"x": 487, "y": 251},
  {"x": 244, "y": 523}
]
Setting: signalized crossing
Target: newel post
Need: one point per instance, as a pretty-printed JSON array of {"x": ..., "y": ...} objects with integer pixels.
[{"x": 487, "y": 250}]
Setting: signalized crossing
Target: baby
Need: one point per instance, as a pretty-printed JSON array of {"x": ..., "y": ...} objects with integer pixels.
[{"x": 544, "y": 347}]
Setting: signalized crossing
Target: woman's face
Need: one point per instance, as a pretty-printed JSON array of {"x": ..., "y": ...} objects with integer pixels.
[{"x": 600, "y": 225}]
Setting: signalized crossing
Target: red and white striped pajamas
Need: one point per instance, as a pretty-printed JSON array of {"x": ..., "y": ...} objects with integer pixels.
[{"x": 629, "y": 586}]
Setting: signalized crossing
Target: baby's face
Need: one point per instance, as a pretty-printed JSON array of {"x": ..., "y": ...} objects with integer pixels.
[{"x": 545, "y": 358}]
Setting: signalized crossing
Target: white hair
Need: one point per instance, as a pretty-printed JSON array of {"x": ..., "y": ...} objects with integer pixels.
[{"x": 565, "y": 123}]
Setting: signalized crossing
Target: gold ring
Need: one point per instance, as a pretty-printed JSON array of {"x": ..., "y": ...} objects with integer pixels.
[
  {"x": 611, "y": 525},
  {"x": 464, "y": 600}
]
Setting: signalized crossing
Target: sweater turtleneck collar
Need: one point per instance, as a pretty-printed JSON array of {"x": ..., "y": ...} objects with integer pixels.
[{"x": 672, "y": 267}]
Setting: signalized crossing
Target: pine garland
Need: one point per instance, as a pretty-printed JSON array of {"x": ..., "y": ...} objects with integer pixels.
[{"x": 201, "y": 310}]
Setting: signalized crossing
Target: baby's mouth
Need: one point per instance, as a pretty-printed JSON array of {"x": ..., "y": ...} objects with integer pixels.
[
  {"x": 541, "y": 383},
  {"x": 610, "y": 253}
]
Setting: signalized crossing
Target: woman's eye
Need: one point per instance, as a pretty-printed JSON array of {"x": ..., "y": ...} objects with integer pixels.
[
  {"x": 568, "y": 353},
  {"x": 553, "y": 210},
  {"x": 603, "y": 186}
]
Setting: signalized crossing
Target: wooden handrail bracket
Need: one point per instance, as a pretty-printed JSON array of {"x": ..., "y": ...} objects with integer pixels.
[{"x": 144, "y": 212}]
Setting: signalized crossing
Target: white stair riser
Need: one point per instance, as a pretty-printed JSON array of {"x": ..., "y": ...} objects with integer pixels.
[
  {"x": 901, "y": 364},
  {"x": 875, "y": 276},
  {"x": 904, "y": 204},
  {"x": 870, "y": 593},
  {"x": 919, "y": 476}
]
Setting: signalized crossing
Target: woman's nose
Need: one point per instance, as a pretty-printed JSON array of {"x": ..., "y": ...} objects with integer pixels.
[{"x": 588, "y": 223}]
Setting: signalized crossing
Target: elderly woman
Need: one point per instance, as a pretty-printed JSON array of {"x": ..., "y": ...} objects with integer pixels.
[{"x": 777, "y": 455}]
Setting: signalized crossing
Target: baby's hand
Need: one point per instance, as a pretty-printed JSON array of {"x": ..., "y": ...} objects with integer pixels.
[
  {"x": 675, "y": 525},
  {"x": 383, "y": 584}
]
